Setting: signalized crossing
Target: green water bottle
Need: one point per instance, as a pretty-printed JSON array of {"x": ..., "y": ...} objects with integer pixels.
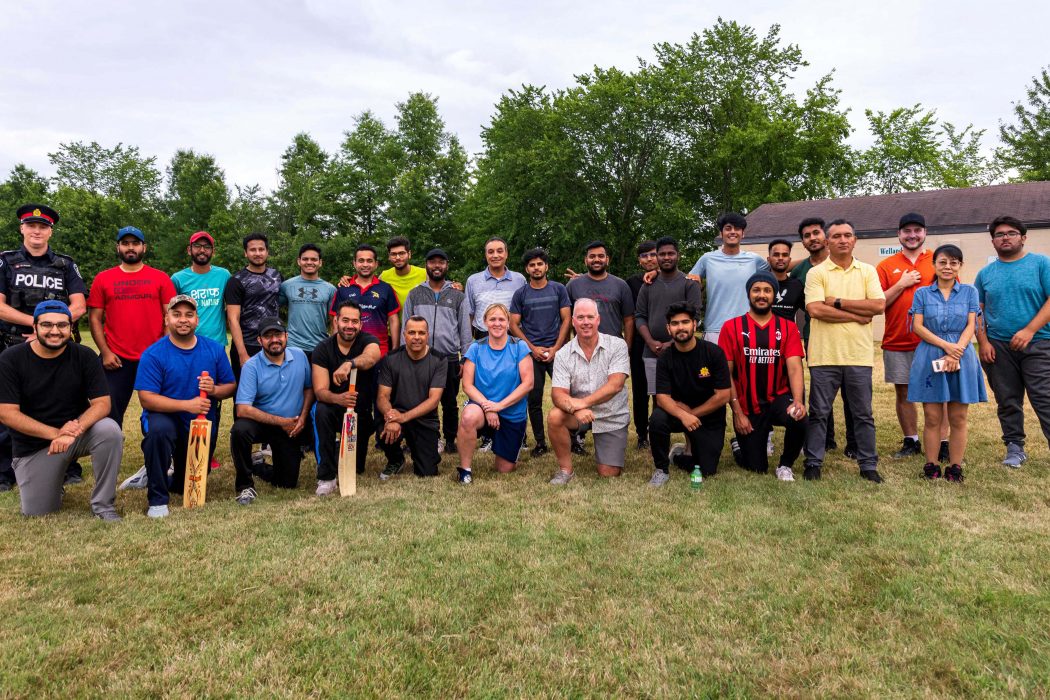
[{"x": 696, "y": 479}]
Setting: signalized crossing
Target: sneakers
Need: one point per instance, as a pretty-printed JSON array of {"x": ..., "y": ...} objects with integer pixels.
[
  {"x": 1015, "y": 456},
  {"x": 138, "y": 480},
  {"x": 450, "y": 447},
  {"x": 6, "y": 486},
  {"x": 441, "y": 446},
  {"x": 109, "y": 516},
  {"x": 539, "y": 450},
  {"x": 738, "y": 454},
  {"x": 246, "y": 497},
  {"x": 932, "y": 471},
  {"x": 486, "y": 445},
  {"x": 942, "y": 455},
  {"x": 643, "y": 444},
  {"x": 577, "y": 445},
  {"x": 872, "y": 476},
  {"x": 262, "y": 455},
  {"x": 954, "y": 473},
  {"x": 391, "y": 470},
  {"x": 785, "y": 473},
  {"x": 811, "y": 474},
  {"x": 73, "y": 480},
  {"x": 561, "y": 478},
  {"x": 326, "y": 487},
  {"x": 157, "y": 511},
  {"x": 909, "y": 447},
  {"x": 465, "y": 475},
  {"x": 769, "y": 445},
  {"x": 660, "y": 478},
  {"x": 677, "y": 450}
]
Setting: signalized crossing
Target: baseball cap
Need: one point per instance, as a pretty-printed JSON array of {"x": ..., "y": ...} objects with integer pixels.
[
  {"x": 52, "y": 306},
  {"x": 271, "y": 323},
  {"x": 182, "y": 299},
  {"x": 436, "y": 253},
  {"x": 911, "y": 218},
  {"x": 199, "y": 235},
  {"x": 130, "y": 231}
]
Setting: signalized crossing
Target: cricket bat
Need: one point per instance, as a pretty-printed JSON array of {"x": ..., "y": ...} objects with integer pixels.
[
  {"x": 197, "y": 460},
  {"x": 348, "y": 447}
]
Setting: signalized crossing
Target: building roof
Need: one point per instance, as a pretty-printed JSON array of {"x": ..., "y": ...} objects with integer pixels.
[{"x": 946, "y": 211}]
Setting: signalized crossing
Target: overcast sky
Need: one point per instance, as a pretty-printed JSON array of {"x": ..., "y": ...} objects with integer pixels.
[{"x": 239, "y": 79}]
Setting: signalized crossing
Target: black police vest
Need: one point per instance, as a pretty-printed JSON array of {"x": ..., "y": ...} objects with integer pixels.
[{"x": 31, "y": 282}]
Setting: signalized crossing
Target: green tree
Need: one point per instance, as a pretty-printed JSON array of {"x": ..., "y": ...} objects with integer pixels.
[
  {"x": 304, "y": 204},
  {"x": 1026, "y": 142},
  {"x": 364, "y": 175},
  {"x": 196, "y": 199}
]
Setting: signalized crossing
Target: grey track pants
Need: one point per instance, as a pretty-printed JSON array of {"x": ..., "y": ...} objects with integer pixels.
[{"x": 824, "y": 385}]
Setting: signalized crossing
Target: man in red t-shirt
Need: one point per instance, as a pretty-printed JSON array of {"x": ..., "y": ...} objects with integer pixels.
[
  {"x": 126, "y": 311},
  {"x": 900, "y": 275},
  {"x": 764, "y": 352}
]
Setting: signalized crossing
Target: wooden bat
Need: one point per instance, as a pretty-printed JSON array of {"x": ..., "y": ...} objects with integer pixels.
[
  {"x": 348, "y": 447},
  {"x": 197, "y": 451}
]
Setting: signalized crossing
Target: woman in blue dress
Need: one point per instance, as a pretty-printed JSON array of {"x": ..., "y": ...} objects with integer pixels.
[{"x": 946, "y": 373}]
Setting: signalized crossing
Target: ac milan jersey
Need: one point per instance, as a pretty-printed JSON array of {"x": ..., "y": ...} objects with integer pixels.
[{"x": 759, "y": 356}]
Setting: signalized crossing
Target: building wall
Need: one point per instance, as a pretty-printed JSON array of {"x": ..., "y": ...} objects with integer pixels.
[{"x": 976, "y": 247}]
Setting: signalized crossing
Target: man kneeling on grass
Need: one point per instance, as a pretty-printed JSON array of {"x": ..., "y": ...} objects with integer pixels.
[
  {"x": 55, "y": 400},
  {"x": 692, "y": 390},
  {"x": 272, "y": 407},
  {"x": 411, "y": 382},
  {"x": 764, "y": 352},
  {"x": 588, "y": 389}
]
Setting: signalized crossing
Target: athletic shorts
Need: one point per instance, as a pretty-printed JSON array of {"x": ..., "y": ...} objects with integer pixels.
[
  {"x": 609, "y": 448},
  {"x": 897, "y": 365},
  {"x": 712, "y": 336},
  {"x": 506, "y": 442}
]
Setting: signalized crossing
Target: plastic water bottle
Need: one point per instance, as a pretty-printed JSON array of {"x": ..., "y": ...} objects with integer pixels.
[{"x": 696, "y": 479}]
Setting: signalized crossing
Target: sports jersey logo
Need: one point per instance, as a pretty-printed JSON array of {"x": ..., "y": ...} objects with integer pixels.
[
  {"x": 779, "y": 336},
  {"x": 704, "y": 372},
  {"x": 375, "y": 294},
  {"x": 303, "y": 291}
]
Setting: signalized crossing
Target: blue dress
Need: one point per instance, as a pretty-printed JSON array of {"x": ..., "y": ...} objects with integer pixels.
[{"x": 947, "y": 319}]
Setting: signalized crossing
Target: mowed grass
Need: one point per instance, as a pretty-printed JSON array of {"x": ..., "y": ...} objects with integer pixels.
[{"x": 510, "y": 587}]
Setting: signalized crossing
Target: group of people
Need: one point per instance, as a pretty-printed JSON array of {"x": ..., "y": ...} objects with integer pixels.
[{"x": 398, "y": 346}]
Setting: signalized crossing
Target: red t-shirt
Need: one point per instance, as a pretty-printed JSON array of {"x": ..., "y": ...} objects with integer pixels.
[
  {"x": 759, "y": 356},
  {"x": 897, "y": 335},
  {"x": 134, "y": 305}
]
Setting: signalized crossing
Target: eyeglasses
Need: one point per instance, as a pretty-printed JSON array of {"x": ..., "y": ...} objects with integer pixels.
[
  {"x": 202, "y": 246},
  {"x": 48, "y": 325},
  {"x": 1006, "y": 234}
]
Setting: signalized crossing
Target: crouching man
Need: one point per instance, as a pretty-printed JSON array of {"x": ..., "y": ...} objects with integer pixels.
[{"x": 55, "y": 400}]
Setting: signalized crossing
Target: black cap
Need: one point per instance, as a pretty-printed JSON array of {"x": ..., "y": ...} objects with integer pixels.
[
  {"x": 911, "y": 218},
  {"x": 436, "y": 253},
  {"x": 763, "y": 276},
  {"x": 37, "y": 213},
  {"x": 271, "y": 324}
]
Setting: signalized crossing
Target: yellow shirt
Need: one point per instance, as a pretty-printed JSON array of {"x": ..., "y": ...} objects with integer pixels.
[
  {"x": 842, "y": 343},
  {"x": 403, "y": 284}
]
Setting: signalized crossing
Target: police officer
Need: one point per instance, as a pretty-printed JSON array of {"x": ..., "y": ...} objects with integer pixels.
[{"x": 29, "y": 275}]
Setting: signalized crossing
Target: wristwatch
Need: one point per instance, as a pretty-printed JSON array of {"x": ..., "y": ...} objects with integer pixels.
[
  {"x": 838, "y": 303},
  {"x": 353, "y": 365}
]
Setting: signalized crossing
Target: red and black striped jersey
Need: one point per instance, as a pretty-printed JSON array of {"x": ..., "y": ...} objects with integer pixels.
[{"x": 759, "y": 356}]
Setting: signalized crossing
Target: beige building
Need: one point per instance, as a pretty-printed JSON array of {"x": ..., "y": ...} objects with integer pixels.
[{"x": 958, "y": 216}]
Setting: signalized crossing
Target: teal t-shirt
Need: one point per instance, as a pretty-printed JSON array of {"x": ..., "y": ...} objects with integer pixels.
[
  {"x": 308, "y": 302},
  {"x": 207, "y": 290},
  {"x": 1012, "y": 294}
]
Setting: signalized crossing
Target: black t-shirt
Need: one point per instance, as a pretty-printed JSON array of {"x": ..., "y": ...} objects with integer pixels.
[
  {"x": 790, "y": 298},
  {"x": 692, "y": 377},
  {"x": 328, "y": 355},
  {"x": 52, "y": 391},
  {"x": 257, "y": 293},
  {"x": 410, "y": 381}
]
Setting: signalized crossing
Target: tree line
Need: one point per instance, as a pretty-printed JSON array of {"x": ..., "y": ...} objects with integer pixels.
[{"x": 718, "y": 123}]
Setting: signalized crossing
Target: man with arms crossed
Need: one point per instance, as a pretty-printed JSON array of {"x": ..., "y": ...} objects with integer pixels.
[
  {"x": 692, "y": 390},
  {"x": 273, "y": 404},
  {"x": 51, "y": 430},
  {"x": 539, "y": 315},
  {"x": 349, "y": 348},
  {"x": 448, "y": 334},
  {"x": 900, "y": 275},
  {"x": 1014, "y": 340},
  {"x": 764, "y": 352},
  {"x": 588, "y": 389},
  {"x": 842, "y": 296},
  {"x": 411, "y": 381},
  {"x": 169, "y": 381}
]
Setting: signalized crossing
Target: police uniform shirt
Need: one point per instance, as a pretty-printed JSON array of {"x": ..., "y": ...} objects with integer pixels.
[{"x": 26, "y": 280}]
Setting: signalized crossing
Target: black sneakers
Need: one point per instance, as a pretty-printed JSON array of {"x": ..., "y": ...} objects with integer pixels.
[
  {"x": 932, "y": 471},
  {"x": 909, "y": 447},
  {"x": 954, "y": 473},
  {"x": 872, "y": 476},
  {"x": 811, "y": 474}
]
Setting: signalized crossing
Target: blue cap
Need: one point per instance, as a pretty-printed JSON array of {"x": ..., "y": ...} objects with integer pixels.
[
  {"x": 130, "y": 231},
  {"x": 51, "y": 306}
]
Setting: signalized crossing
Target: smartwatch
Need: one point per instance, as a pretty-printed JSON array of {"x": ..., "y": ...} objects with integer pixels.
[{"x": 838, "y": 303}]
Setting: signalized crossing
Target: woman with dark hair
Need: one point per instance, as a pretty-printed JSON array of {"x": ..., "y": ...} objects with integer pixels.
[{"x": 946, "y": 373}]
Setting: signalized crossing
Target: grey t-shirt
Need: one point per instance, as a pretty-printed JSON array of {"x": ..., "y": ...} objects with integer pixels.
[
  {"x": 308, "y": 302},
  {"x": 653, "y": 300},
  {"x": 611, "y": 294},
  {"x": 410, "y": 381}
]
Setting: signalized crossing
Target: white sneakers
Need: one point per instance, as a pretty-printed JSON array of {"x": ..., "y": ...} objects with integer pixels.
[
  {"x": 326, "y": 487},
  {"x": 157, "y": 511},
  {"x": 785, "y": 474},
  {"x": 137, "y": 480}
]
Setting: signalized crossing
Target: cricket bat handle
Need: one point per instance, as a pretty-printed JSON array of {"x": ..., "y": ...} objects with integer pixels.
[{"x": 204, "y": 395}]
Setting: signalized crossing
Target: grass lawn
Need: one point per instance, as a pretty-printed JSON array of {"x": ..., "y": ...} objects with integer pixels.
[{"x": 511, "y": 587}]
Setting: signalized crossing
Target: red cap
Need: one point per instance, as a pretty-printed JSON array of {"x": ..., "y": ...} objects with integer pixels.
[{"x": 199, "y": 235}]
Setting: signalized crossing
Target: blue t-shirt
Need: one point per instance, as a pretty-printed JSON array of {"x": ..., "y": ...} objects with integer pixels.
[
  {"x": 275, "y": 389},
  {"x": 308, "y": 302},
  {"x": 172, "y": 372},
  {"x": 207, "y": 291},
  {"x": 726, "y": 277},
  {"x": 496, "y": 373},
  {"x": 1012, "y": 294},
  {"x": 540, "y": 311}
]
